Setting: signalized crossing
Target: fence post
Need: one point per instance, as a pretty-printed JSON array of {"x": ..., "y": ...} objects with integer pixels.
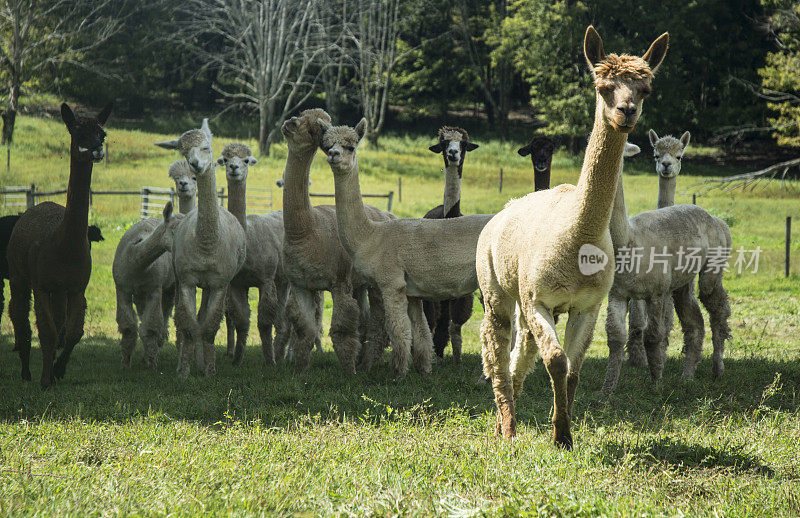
[
  {"x": 145, "y": 202},
  {"x": 221, "y": 195},
  {"x": 694, "y": 199},
  {"x": 172, "y": 196},
  {"x": 8, "y": 158},
  {"x": 500, "y": 182},
  {"x": 788, "y": 243},
  {"x": 399, "y": 189},
  {"x": 30, "y": 198},
  {"x": 389, "y": 201}
]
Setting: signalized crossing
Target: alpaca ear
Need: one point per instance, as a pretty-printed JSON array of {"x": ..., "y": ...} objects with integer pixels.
[
  {"x": 221, "y": 161},
  {"x": 169, "y": 144},
  {"x": 67, "y": 116},
  {"x": 204, "y": 127},
  {"x": 653, "y": 137},
  {"x": 471, "y": 147},
  {"x": 630, "y": 150},
  {"x": 102, "y": 117},
  {"x": 167, "y": 213},
  {"x": 655, "y": 54},
  {"x": 361, "y": 128},
  {"x": 324, "y": 125},
  {"x": 251, "y": 160},
  {"x": 685, "y": 138},
  {"x": 525, "y": 150},
  {"x": 593, "y": 47},
  {"x": 436, "y": 148}
]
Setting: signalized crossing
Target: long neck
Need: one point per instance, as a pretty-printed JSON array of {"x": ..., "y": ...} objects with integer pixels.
[
  {"x": 541, "y": 179},
  {"x": 207, "y": 212},
  {"x": 237, "y": 200},
  {"x": 297, "y": 216},
  {"x": 354, "y": 225},
  {"x": 452, "y": 188},
  {"x": 598, "y": 181},
  {"x": 74, "y": 226},
  {"x": 619, "y": 225},
  {"x": 148, "y": 249},
  {"x": 666, "y": 191},
  {"x": 185, "y": 204}
]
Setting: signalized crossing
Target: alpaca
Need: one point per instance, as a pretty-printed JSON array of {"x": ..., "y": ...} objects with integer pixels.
[
  {"x": 48, "y": 253},
  {"x": 185, "y": 185},
  {"x": 314, "y": 260},
  {"x": 541, "y": 150},
  {"x": 208, "y": 250},
  {"x": 143, "y": 275},
  {"x": 665, "y": 236},
  {"x": 536, "y": 251},
  {"x": 446, "y": 318},
  {"x": 407, "y": 259},
  {"x": 7, "y": 223},
  {"x": 668, "y": 152}
]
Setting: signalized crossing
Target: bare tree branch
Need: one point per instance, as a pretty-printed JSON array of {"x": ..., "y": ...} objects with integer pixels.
[{"x": 751, "y": 180}]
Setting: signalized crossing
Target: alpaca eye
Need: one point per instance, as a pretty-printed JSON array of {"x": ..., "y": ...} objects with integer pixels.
[
  {"x": 350, "y": 148},
  {"x": 646, "y": 91}
]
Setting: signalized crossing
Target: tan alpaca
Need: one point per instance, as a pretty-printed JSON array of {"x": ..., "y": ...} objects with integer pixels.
[
  {"x": 407, "y": 259},
  {"x": 530, "y": 253}
]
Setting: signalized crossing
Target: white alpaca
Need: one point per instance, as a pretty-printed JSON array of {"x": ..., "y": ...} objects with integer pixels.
[
  {"x": 208, "y": 250},
  {"x": 407, "y": 259},
  {"x": 143, "y": 275}
]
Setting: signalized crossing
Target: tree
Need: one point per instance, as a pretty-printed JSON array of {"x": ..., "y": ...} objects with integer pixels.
[
  {"x": 34, "y": 34},
  {"x": 264, "y": 52}
]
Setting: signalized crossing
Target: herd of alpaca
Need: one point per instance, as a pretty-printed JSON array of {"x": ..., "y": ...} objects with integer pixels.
[{"x": 403, "y": 283}]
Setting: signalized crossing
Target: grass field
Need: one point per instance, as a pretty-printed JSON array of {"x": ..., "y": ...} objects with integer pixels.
[{"x": 255, "y": 440}]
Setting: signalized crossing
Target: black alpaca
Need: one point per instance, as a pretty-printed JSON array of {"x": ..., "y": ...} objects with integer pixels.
[{"x": 445, "y": 318}]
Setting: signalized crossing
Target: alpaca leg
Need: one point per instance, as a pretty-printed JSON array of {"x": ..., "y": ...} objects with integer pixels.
[
  {"x": 441, "y": 329},
  {"x": 167, "y": 303},
  {"x": 377, "y": 337},
  {"x": 691, "y": 319},
  {"x": 126, "y": 323},
  {"x": 637, "y": 321},
  {"x": 654, "y": 336},
  {"x": 715, "y": 300},
  {"x": 237, "y": 307},
  {"x": 58, "y": 303},
  {"x": 523, "y": 355},
  {"x": 209, "y": 325},
  {"x": 344, "y": 328},
  {"x": 300, "y": 314},
  {"x": 460, "y": 311},
  {"x": 319, "y": 307},
  {"x": 186, "y": 328},
  {"x": 230, "y": 331},
  {"x": 199, "y": 350},
  {"x": 47, "y": 334},
  {"x": 398, "y": 325},
  {"x": 495, "y": 340},
  {"x": 76, "y": 316},
  {"x": 615, "y": 330},
  {"x": 577, "y": 339},
  {"x": 283, "y": 330},
  {"x": 19, "y": 308},
  {"x": 151, "y": 329},
  {"x": 421, "y": 344},
  {"x": 431, "y": 309},
  {"x": 268, "y": 316}
]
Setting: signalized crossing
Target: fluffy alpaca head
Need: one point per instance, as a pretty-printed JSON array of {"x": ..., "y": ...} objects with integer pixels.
[
  {"x": 303, "y": 133},
  {"x": 340, "y": 144},
  {"x": 668, "y": 152},
  {"x": 195, "y": 146},
  {"x": 541, "y": 149},
  {"x": 87, "y": 133},
  {"x": 184, "y": 178},
  {"x": 622, "y": 81},
  {"x": 237, "y": 158},
  {"x": 453, "y": 145}
]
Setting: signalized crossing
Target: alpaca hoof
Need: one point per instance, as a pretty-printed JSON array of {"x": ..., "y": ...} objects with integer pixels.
[
  {"x": 481, "y": 379},
  {"x": 126, "y": 361},
  {"x": 26, "y": 375},
  {"x": 151, "y": 363},
  {"x": 46, "y": 384},
  {"x": 508, "y": 427},
  {"x": 718, "y": 370},
  {"x": 562, "y": 440},
  {"x": 636, "y": 362},
  {"x": 59, "y": 370},
  {"x": 210, "y": 371}
]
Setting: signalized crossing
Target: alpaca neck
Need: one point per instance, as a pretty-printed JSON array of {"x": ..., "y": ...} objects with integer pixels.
[
  {"x": 74, "y": 226},
  {"x": 149, "y": 249},
  {"x": 666, "y": 191},
  {"x": 354, "y": 225},
  {"x": 541, "y": 179},
  {"x": 185, "y": 204},
  {"x": 619, "y": 225},
  {"x": 452, "y": 190},
  {"x": 237, "y": 200},
  {"x": 297, "y": 215},
  {"x": 207, "y": 211},
  {"x": 597, "y": 184}
]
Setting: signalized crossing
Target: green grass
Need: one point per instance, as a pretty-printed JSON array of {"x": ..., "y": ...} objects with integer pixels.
[{"x": 255, "y": 440}]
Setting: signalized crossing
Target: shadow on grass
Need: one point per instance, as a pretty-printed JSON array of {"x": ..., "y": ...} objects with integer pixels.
[
  {"x": 683, "y": 456},
  {"x": 97, "y": 387}
]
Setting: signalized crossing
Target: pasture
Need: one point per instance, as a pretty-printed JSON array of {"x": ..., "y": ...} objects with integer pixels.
[{"x": 262, "y": 440}]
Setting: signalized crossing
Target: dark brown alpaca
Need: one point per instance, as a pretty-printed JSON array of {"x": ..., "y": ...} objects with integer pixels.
[
  {"x": 49, "y": 254},
  {"x": 541, "y": 151},
  {"x": 446, "y": 318}
]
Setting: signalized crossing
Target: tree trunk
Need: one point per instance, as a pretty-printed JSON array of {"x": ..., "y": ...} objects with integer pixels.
[
  {"x": 10, "y": 114},
  {"x": 263, "y": 130}
]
